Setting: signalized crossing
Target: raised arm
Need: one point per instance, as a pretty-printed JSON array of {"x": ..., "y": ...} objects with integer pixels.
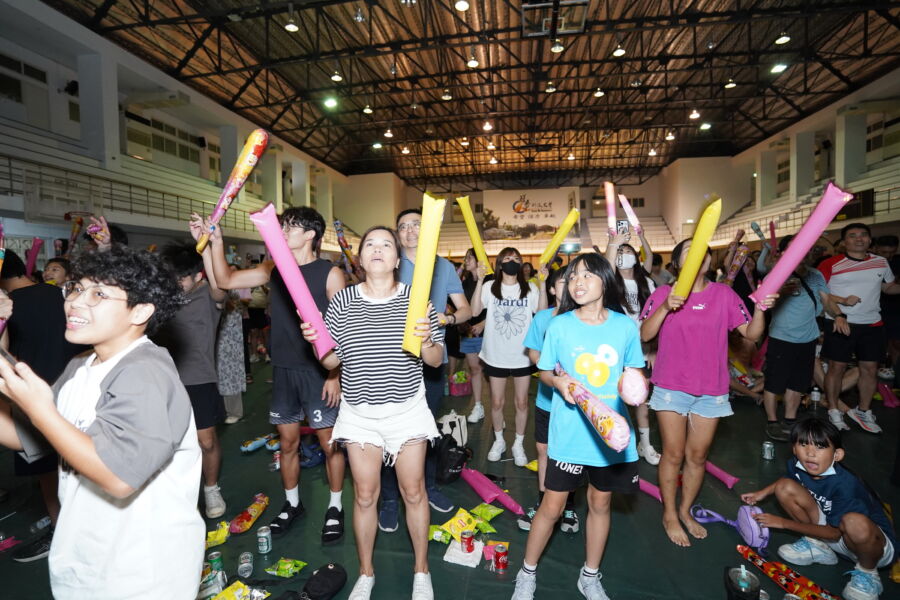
[
  {"x": 648, "y": 253},
  {"x": 612, "y": 248}
]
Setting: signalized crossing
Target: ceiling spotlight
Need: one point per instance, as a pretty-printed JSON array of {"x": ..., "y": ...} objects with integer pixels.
[
  {"x": 694, "y": 114},
  {"x": 598, "y": 93},
  {"x": 446, "y": 95},
  {"x": 464, "y": 141},
  {"x": 493, "y": 160},
  {"x": 778, "y": 68},
  {"x": 571, "y": 156},
  {"x": 487, "y": 126},
  {"x": 368, "y": 110},
  {"x": 619, "y": 51},
  {"x": 550, "y": 87},
  {"x": 730, "y": 84},
  {"x": 405, "y": 150},
  {"x": 461, "y": 5},
  {"x": 652, "y": 152},
  {"x": 388, "y": 133},
  {"x": 636, "y": 83},
  {"x": 710, "y": 45},
  {"x": 670, "y": 136},
  {"x": 377, "y": 145},
  {"x": 290, "y": 25},
  {"x": 408, "y": 2},
  {"x": 782, "y": 39},
  {"x": 705, "y": 126},
  {"x": 359, "y": 17},
  {"x": 472, "y": 62},
  {"x": 491, "y": 146},
  {"x": 336, "y": 76},
  {"x": 330, "y": 102},
  {"x": 557, "y": 47}
]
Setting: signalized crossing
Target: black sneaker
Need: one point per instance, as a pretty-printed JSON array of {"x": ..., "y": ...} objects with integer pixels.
[
  {"x": 775, "y": 432},
  {"x": 35, "y": 549},
  {"x": 285, "y": 518},
  {"x": 524, "y": 521},
  {"x": 333, "y": 529}
]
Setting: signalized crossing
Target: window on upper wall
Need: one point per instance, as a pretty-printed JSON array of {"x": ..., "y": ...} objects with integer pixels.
[
  {"x": 10, "y": 88},
  {"x": 74, "y": 112},
  {"x": 34, "y": 73},
  {"x": 636, "y": 202}
]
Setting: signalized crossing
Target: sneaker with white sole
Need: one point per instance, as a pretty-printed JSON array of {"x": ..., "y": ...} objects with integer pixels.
[
  {"x": 648, "y": 453},
  {"x": 525, "y": 586},
  {"x": 837, "y": 419},
  {"x": 497, "y": 450},
  {"x": 865, "y": 419},
  {"x": 886, "y": 373},
  {"x": 569, "y": 522},
  {"x": 422, "y": 589},
  {"x": 215, "y": 503},
  {"x": 362, "y": 590},
  {"x": 863, "y": 586},
  {"x": 591, "y": 588},
  {"x": 518, "y": 452},
  {"x": 35, "y": 549},
  {"x": 807, "y": 551},
  {"x": 524, "y": 521},
  {"x": 477, "y": 413}
]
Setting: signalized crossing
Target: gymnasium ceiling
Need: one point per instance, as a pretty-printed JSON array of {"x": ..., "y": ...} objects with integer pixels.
[{"x": 402, "y": 57}]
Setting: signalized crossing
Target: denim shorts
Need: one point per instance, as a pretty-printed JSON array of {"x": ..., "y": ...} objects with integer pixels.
[
  {"x": 470, "y": 345},
  {"x": 710, "y": 407}
]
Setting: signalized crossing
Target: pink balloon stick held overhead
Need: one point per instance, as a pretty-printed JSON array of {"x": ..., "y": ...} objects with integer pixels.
[
  {"x": 773, "y": 240},
  {"x": 610, "y": 190},
  {"x": 629, "y": 213},
  {"x": 270, "y": 229},
  {"x": 32, "y": 255},
  {"x": 833, "y": 200}
]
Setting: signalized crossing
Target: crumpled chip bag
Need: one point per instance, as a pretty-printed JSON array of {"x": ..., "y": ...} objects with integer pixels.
[
  {"x": 286, "y": 567},
  {"x": 483, "y": 526},
  {"x": 219, "y": 536},
  {"x": 486, "y": 511},
  {"x": 239, "y": 591},
  {"x": 436, "y": 533},
  {"x": 461, "y": 521}
]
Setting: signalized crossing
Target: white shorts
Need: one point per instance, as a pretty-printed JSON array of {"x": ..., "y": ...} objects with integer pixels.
[
  {"x": 887, "y": 556},
  {"x": 390, "y": 433}
]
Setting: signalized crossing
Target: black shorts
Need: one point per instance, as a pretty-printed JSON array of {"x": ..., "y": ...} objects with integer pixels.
[
  {"x": 257, "y": 318},
  {"x": 866, "y": 342},
  {"x": 297, "y": 395},
  {"x": 208, "y": 404},
  {"x": 565, "y": 477},
  {"x": 541, "y": 425},
  {"x": 505, "y": 372},
  {"x": 789, "y": 366},
  {"x": 45, "y": 464},
  {"x": 451, "y": 341}
]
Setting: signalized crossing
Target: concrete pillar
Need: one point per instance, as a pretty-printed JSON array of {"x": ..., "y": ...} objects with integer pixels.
[
  {"x": 849, "y": 148},
  {"x": 766, "y": 177},
  {"x": 299, "y": 182},
  {"x": 270, "y": 172},
  {"x": 324, "y": 196},
  {"x": 98, "y": 95},
  {"x": 802, "y": 163}
]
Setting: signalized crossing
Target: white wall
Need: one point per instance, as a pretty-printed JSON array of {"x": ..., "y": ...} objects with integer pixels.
[{"x": 365, "y": 200}]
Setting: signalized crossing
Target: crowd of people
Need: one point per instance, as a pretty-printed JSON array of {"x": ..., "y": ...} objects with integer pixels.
[{"x": 117, "y": 385}]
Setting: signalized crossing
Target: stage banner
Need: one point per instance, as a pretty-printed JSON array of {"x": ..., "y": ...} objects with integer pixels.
[{"x": 527, "y": 214}]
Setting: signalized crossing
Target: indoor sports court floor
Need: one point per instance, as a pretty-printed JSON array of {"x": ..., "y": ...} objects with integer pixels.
[{"x": 640, "y": 562}]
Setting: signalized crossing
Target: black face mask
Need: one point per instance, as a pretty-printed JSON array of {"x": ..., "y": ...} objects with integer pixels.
[{"x": 511, "y": 267}]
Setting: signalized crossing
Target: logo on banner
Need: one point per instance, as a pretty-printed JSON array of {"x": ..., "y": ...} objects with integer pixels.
[{"x": 523, "y": 205}]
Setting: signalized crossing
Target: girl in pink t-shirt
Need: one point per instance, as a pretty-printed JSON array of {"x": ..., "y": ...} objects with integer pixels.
[{"x": 691, "y": 380}]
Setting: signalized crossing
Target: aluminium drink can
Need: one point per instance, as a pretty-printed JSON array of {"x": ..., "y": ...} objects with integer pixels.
[
  {"x": 768, "y": 450},
  {"x": 467, "y": 541},
  {"x": 501, "y": 557},
  {"x": 264, "y": 539},
  {"x": 215, "y": 561}
]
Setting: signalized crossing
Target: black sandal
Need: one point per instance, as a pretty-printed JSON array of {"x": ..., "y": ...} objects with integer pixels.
[
  {"x": 333, "y": 529},
  {"x": 280, "y": 525}
]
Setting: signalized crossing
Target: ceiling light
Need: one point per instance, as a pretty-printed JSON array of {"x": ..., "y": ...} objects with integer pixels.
[
  {"x": 670, "y": 136},
  {"x": 472, "y": 62},
  {"x": 557, "y": 47},
  {"x": 336, "y": 76},
  {"x": 636, "y": 83},
  {"x": 730, "y": 84},
  {"x": 461, "y": 5},
  {"x": 705, "y": 126},
  {"x": 388, "y": 133},
  {"x": 710, "y": 45},
  {"x": 652, "y": 152},
  {"x": 754, "y": 174},
  {"x": 377, "y": 145},
  {"x": 493, "y": 160},
  {"x": 359, "y": 17},
  {"x": 290, "y": 25},
  {"x": 778, "y": 68},
  {"x": 405, "y": 150},
  {"x": 598, "y": 93},
  {"x": 446, "y": 95},
  {"x": 694, "y": 114},
  {"x": 571, "y": 156},
  {"x": 487, "y": 126},
  {"x": 491, "y": 146},
  {"x": 619, "y": 51},
  {"x": 464, "y": 141},
  {"x": 782, "y": 39},
  {"x": 550, "y": 87},
  {"x": 330, "y": 102},
  {"x": 368, "y": 110},
  {"x": 408, "y": 2}
]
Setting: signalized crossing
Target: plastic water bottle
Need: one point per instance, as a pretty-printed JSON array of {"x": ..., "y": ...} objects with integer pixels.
[
  {"x": 40, "y": 525},
  {"x": 815, "y": 396}
]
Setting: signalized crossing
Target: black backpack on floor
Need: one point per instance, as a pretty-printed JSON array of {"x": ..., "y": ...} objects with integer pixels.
[{"x": 451, "y": 458}]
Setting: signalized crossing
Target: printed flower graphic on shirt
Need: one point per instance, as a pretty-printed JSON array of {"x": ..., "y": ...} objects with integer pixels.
[
  {"x": 596, "y": 366},
  {"x": 509, "y": 321}
]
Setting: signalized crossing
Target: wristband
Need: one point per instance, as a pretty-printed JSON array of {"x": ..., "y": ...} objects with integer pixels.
[{"x": 840, "y": 315}]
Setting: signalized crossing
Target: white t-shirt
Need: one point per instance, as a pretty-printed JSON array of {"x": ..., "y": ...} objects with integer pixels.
[
  {"x": 506, "y": 324},
  {"x": 862, "y": 278},
  {"x": 107, "y": 548},
  {"x": 632, "y": 299}
]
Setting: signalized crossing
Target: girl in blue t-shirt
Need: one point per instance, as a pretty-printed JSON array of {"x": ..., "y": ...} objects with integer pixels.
[{"x": 594, "y": 342}]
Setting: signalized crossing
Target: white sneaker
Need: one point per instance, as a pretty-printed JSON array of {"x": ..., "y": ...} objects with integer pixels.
[
  {"x": 648, "y": 453},
  {"x": 363, "y": 588},
  {"x": 232, "y": 420},
  {"x": 497, "y": 450},
  {"x": 518, "y": 452},
  {"x": 254, "y": 358},
  {"x": 422, "y": 589},
  {"x": 477, "y": 413},
  {"x": 215, "y": 504},
  {"x": 837, "y": 419},
  {"x": 807, "y": 551},
  {"x": 863, "y": 586},
  {"x": 591, "y": 588},
  {"x": 865, "y": 419},
  {"x": 525, "y": 586}
]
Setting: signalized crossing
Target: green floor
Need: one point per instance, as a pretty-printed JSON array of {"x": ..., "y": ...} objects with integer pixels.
[{"x": 640, "y": 562}]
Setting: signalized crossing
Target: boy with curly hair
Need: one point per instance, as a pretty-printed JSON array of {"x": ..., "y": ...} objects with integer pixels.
[{"x": 122, "y": 424}]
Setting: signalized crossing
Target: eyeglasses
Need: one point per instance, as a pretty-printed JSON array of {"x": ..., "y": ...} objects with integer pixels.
[
  {"x": 287, "y": 227},
  {"x": 412, "y": 225},
  {"x": 72, "y": 290}
]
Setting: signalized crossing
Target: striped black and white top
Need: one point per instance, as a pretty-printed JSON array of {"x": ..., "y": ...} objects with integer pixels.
[{"x": 375, "y": 370}]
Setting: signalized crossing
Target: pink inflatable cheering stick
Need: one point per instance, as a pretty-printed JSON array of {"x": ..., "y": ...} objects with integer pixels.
[
  {"x": 250, "y": 155},
  {"x": 629, "y": 214},
  {"x": 32, "y": 255},
  {"x": 633, "y": 387},
  {"x": 650, "y": 489},
  {"x": 610, "y": 190},
  {"x": 887, "y": 395},
  {"x": 833, "y": 200},
  {"x": 727, "y": 478},
  {"x": 488, "y": 490},
  {"x": 772, "y": 239},
  {"x": 610, "y": 426},
  {"x": 740, "y": 256},
  {"x": 270, "y": 230}
]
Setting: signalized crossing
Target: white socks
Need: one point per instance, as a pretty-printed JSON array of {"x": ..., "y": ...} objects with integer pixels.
[
  {"x": 645, "y": 435},
  {"x": 210, "y": 488},
  {"x": 293, "y": 495},
  {"x": 336, "y": 500},
  {"x": 520, "y": 439},
  {"x": 498, "y": 435}
]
